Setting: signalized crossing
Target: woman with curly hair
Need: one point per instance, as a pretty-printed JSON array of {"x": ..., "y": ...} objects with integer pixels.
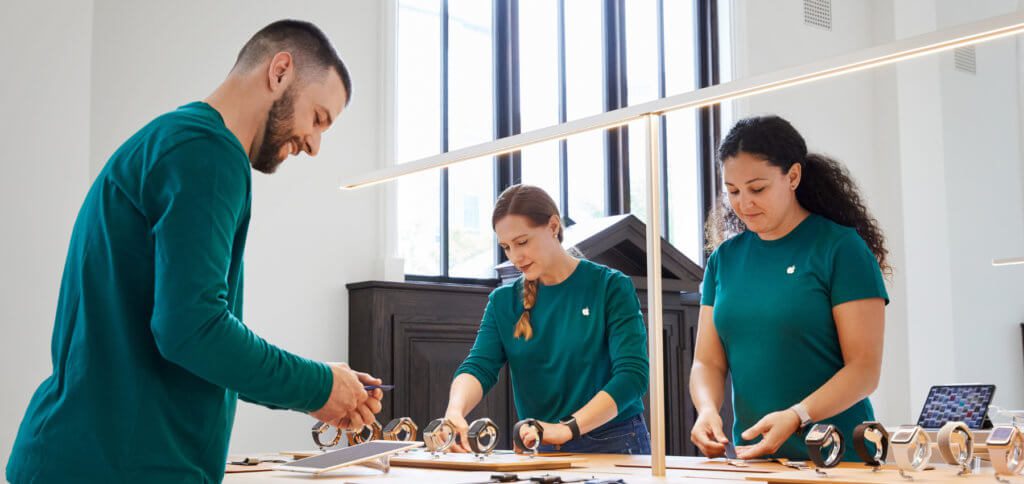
[{"x": 793, "y": 299}]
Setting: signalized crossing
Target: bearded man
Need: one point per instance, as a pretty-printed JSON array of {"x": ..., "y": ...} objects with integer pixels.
[{"x": 149, "y": 350}]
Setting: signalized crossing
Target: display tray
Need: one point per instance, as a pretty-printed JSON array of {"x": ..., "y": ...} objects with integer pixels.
[
  {"x": 502, "y": 462},
  {"x": 850, "y": 475},
  {"x": 757, "y": 466}
]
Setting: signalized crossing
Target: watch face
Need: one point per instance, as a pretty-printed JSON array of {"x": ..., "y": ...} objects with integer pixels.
[
  {"x": 433, "y": 425},
  {"x": 1000, "y": 436},
  {"x": 903, "y": 436},
  {"x": 818, "y": 433}
]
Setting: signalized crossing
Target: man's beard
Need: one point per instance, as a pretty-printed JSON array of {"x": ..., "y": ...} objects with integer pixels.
[{"x": 276, "y": 132}]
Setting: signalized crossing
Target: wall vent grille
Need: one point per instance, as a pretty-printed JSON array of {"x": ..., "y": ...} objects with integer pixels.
[
  {"x": 818, "y": 13},
  {"x": 965, "y": 59}
]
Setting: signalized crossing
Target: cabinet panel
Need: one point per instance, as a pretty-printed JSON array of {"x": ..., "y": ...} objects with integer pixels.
[{"x": 426, "y": 355}]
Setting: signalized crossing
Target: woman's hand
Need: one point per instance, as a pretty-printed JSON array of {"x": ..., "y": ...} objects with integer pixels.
[
  {"x": 458, "y": 421},
  {"x": 774, "y": 429},
  {"x": 707, "y": 434},
  {"x": 554, "y": 434}
]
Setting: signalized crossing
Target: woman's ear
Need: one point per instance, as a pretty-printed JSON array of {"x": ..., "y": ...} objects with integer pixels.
[
  {"x": 554, "y": 224},
  {"x": 794, "y": 175}
]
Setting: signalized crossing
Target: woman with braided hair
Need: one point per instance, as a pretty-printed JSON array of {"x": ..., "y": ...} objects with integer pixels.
[
  {"x": 793, "y": 299},
  {"x": 571, "y": 332}
]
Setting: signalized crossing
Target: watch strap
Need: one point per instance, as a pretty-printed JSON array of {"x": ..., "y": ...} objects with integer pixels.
[
  {"x": 1001, "y": 456},
  {"x": 861, "y": 447},
  {"x": 946, "y": 445},
  {"x": 802, "y": 414},
  {"x": 573, "y": 427},
  {"x": 904, "y": 454},
  {"x": 814, "y": 449},
  {"x": 517, "y": 438}
]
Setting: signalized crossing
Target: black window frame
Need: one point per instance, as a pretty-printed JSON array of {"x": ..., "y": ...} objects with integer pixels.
[{"x": 506, "y": 119}]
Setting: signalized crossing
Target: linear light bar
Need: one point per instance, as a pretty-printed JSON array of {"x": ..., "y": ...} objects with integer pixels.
[
  {"x": 1008, "y": 262},
  {"x": 899, "y": 50}
]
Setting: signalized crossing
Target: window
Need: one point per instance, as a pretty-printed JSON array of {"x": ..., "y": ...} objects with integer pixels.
[{"x": 469, "y": 71}]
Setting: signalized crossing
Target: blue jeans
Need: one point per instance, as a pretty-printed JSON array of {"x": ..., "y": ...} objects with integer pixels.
[{"x": 629, "y": 436}]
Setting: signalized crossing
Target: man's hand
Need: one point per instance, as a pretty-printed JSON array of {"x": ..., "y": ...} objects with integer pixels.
[{"x": 349, "y": 406}]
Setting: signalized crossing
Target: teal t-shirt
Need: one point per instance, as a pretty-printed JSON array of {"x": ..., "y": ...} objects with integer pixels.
[
  {"x": 588, "y": 336},
  {"x": 773, "y": 303},
  {"x": 149, "y": 352}
]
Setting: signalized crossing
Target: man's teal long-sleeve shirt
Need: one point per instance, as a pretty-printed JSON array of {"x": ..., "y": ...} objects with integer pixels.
[{"x": 149, "y": 351}]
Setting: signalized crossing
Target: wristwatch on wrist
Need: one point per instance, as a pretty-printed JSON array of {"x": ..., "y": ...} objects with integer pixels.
[
  {"x": 805, "y": 417},
  {"x": 956, "y": 444},
  {"x": 1006, "y": 450},
  {"x": 573, "y": 427},
  {"x": 825, "y": 445},
  {"x": 874, "y": 433},
  {"x": 911, "y": 448}
]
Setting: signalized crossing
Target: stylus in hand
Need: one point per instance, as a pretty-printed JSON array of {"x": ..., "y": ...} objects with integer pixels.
[{"x": 383, "y": 388}]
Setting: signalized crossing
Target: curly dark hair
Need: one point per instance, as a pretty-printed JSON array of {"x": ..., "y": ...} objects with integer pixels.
[{"x": 826, "y": 187}]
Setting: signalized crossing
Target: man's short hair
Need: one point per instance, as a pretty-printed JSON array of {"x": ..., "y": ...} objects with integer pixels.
[{"x": 307, "y": 44}]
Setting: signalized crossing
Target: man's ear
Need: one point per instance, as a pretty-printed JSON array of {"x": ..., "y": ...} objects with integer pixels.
[{"x": 280, "y": 72}]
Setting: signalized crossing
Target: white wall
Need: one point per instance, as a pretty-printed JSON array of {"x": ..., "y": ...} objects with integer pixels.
[
  {"x": 44, "y": 98},
  {"x": 307, "y": 239},
  {"x": 937, "y": 154},
  {"x": 981, "y": 126}
]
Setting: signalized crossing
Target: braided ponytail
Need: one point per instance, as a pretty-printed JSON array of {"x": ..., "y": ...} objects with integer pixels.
[{"x": 523, "y": 328}]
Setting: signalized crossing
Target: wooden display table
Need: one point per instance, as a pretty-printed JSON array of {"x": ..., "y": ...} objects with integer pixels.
[{"x": 593, "y": 465}]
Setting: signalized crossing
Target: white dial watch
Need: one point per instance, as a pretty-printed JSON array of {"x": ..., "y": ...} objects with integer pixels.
[
  {"x": 911, "y": 448},
  {"x": 1006, "y": 450}
]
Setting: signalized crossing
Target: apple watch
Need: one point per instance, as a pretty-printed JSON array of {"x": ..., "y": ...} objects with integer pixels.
[
  {"x": 369, "y": 432},
  {"x": 911, "y": 448},
  {"x": 438, "y": 436},
  {"x": 1006, "y": 450},
  {"x": 803, "y": 415},
  {"x": 874, "y": 433},
  {"x": 400, "y": 429},
  {"x": 517, "y": 438},
  {"x": 956, "y": 444},
  {"x": 319, "y": 429},
  {"x": 573, "y": 426},
  {"x": 483, "y": 436},
  {"x": 825, "y": 445}
]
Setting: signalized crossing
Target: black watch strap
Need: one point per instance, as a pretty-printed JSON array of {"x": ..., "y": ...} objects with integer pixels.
[
  {"x": 814, "y": 451},
  {"x": 860, "y": 443},
  {"x": 518, "y": 439},
  {"x": 573, "y": 426}
]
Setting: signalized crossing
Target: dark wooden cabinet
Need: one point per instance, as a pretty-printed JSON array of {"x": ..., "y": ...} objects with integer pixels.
[{"x": 415, "y": 335}]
